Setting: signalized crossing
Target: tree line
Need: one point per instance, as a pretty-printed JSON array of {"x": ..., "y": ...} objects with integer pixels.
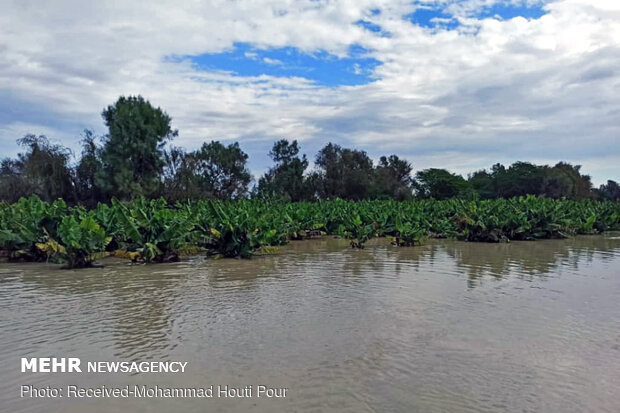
[{"x": 136, "y": 158}]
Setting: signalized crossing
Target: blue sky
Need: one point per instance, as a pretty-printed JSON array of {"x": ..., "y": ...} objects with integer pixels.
[
  {"x": 320, "y": 67},
  {"x": 460, "y": 84},
  {"x": 438, "y": 17},
  {"x": 354, "y": 68},
  {"x": 507, "y": 11}
]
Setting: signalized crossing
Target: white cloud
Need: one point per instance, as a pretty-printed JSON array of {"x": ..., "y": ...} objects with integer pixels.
[
  {"x": 270, "y": 61},
  {"x": 539, "y": 89}
]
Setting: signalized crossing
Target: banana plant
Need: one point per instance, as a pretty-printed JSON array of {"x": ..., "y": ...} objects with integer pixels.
[
  {"x": 228, "y": 235},
  {"x": 79, "y": 244},
  {"x": 407, "y": 234},
  {"x": 27, "y": 222},
  {"x": 357, "y": 231},
  {"x": 153, "y": 231}
]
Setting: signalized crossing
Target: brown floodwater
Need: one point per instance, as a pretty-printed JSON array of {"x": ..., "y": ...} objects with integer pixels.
[{"x": 444, "y": 327}]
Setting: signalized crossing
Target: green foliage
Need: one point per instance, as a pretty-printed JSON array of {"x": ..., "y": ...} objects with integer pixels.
[
  {"x": 86, "y": 171},
  {"x": 529, "y": 218},
  {"x": 220, "y": 170},
  {"x": 520, "y": 202},
  {"x": 239, "y": 229},
  {"x": 42, "y": 170},
  {"x": 522, "y": 178},
  {"x": 286, "y": 180},
  {"x": 610, "y": 191},
  {"x": 408, "y": 233},
  {"x": 132, "y": 158},
  {"x": 441, "y": 184},
  {"x": 343, "y": 173},
  {"x": 357, "y": 230},
  {"x": 27, "y": 222},
  {"x": 225, "y": 234},
  {"x": 133, "y": 162},
  {"x": 350, "y": 174},
  {"x": 81, "y": 242},
  {"x": 179, "y": 177},
  {"x": 155, "y": 231},
  {"x": 393, "y": 179}
]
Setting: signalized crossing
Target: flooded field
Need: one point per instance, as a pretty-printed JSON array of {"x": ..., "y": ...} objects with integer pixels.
[{"x": 445, "y": 327}]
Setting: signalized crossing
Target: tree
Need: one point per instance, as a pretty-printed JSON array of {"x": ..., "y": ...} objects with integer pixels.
[
  {"x": 557, "y": 184},
  {"x": 132, "y": 155},
  {"x": 219, "y": 170},
  {"x": 87, "y": 189},
  {"x": 179, "y": 179},
  {"x": 44, "y": 168},
  {"x": 441, "y": 184},
  {"x": 286, "y": 179},
  {"x": 565, "y": 181},
  {"x": 393, "y": 179},
  {"x": 521, "y": 178},
  {"x": 213, "y": 171},
  {"x": 610, "y": 191},
  {"x": 13, "y": 184},
  {"x": 483, "y": 183},
  {"x": 344, "y": 173}
]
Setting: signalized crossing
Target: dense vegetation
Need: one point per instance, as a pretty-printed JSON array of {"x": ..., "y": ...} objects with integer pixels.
[
  {"x": 155, "y": 231},
  {"x": 136, "y": 159},
  {"x": 133, "y": 195}
]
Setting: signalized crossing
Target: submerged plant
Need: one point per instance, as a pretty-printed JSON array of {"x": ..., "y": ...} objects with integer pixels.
[
  {"x": 27, "y": 222},
  {"x": 357, "y": 231},
  {"x": 408, "y": 234},
  {"x": 154, "y": 231},
  {"x": 79, "y": 243}
]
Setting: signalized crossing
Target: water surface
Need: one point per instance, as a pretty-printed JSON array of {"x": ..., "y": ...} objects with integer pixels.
[{"x": 445, "y": 327}]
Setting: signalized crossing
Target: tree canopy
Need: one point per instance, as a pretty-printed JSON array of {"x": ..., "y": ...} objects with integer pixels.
[
  {"x": 43, "y": 170},
  {"x": 132, "y": 153},
  {"x": 136, "y": 158},
  {"x": 287, "y": 178},
  {"x": 441, "y": 184}
]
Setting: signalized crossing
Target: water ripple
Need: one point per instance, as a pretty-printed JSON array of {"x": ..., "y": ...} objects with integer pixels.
[{"x": 447, "y": 326}]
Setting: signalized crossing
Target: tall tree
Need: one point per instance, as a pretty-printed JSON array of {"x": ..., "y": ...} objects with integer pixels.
[
  {"x": 43, "y": 169},
  {"x": 87, "y": 189},
  {"x": 610, "y": 191},
  {"x": 565, "y": 181},
  {"x": 13, "y": 183},
  {"x": 523, "y": 178},
  {"x": 179, "y": 176},
  {"x": 286, "y": 179},
  {"x": 441, "y": 184},
  {"x": 344, "y": 173},
  {"x": 483, "y": 183},
  {"x": 220, "y": 170},
  {"x": 132, "y": 155},
  {"x": 393, "y": 178}
]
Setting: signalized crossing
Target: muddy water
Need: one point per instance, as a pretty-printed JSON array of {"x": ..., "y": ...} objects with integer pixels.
[{"x": 445, "y": 327}]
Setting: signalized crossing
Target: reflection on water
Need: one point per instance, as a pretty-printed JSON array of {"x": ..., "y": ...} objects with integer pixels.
[
  {"x": 527, "y": 259},
  {"x": 447, "y": 326}
]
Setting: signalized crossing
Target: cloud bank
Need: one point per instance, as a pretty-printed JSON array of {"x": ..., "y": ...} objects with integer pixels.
[{"x": 444, "y": 83}]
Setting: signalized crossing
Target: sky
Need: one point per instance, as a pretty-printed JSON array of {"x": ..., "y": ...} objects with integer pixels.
[{"x": 455, "y": 84}]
